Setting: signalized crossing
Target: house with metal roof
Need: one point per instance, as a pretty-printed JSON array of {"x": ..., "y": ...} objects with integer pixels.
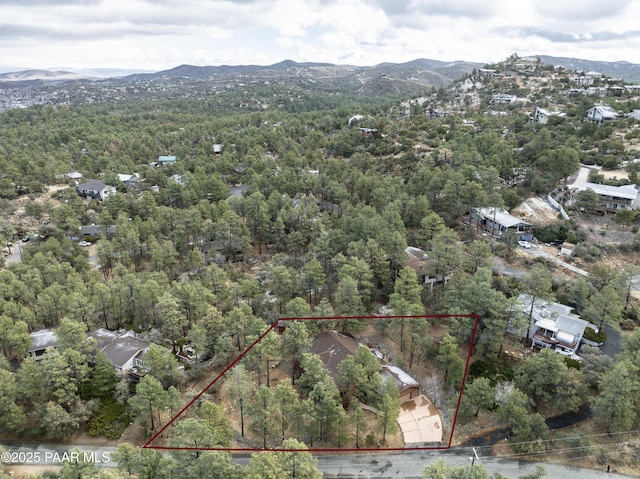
[
  {"x": 166, "y": 160},
  {"x": 497, "y": 221},
  {"x": 541, "y": 116},
  {"x": 601, "y": 114},
  {"x": 635, "y": 114},
  {"x": 612, "y": 198}
]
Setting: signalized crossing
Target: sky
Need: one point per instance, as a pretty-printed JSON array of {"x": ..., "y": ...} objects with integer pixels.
[{"x": 161, "y": 34}]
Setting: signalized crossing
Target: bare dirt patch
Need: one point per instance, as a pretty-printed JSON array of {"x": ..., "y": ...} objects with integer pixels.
[
  {"x": 25, "y": 472},
  {"x": 536, "y": 210},
  {"x": 614, "y": 174}
]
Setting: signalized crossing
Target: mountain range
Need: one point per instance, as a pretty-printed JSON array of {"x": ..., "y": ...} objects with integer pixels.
[{"x": 419, "y": 72}]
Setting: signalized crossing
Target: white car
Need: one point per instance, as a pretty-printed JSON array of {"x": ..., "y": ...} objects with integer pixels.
[
  {"x": 524, "y": 244},
  {"x": 84, "y": 243}
]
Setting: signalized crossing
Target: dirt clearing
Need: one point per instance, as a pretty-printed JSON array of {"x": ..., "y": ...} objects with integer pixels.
[{"x": 536, "y": 210}]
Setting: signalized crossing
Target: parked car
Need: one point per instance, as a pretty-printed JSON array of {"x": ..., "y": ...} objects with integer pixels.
[
  {"x": 524, "y": 244},
  {"x": 25, "y": 239},
  {"x": 84, "y": 243}
]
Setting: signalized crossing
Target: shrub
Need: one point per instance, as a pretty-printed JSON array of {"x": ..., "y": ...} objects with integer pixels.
[
  {"x": 492, "y": 370},
  {"x": 370, "y": 440},
  {"x": 591, "y": 335},
  {"x": 572, "y": 363},
  {"x": 109, "y": 420}
]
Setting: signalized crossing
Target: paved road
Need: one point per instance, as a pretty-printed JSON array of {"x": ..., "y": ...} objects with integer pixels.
[
  {"x": 407, "y": 465},
  {"x": 411, "y": 464}
]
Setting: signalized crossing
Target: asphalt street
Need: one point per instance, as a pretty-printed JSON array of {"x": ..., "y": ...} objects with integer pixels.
[{"x": 333, "y": 466}]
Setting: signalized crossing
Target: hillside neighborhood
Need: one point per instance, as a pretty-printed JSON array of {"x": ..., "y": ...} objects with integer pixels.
[{"x": 263, "y": 265}]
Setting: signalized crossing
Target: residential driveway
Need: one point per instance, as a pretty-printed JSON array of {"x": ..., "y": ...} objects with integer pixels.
[
  {"x": 537, "y": 250},
  {"x": 613, "y": 344},
  {"x": 420, "y": 421},
  {"x": 583, "y": 176},
  {"x": 500, "y": 267}
]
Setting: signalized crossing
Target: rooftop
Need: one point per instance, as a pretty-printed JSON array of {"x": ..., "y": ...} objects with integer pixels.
[
  {"x": 628, "y": 191},
  {"x": 43, "y": 339},
  {"x": 93, "y": 185},
  {"x": 119, "y": 346},
  {"x": 500, "y": 216}
]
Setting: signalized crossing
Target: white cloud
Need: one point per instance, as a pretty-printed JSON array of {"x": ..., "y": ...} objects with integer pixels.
[{"x": 163, "y": 33}]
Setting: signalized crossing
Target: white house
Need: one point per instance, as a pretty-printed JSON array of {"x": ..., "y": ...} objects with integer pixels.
[
  {"x": 599, "y": 91},
  {"x": 541, "y": 116},
  {"x": 553, "y": 326},
  {"x": 503, "y": 98},
  {"x": 601, "y": 114},
  {"x": 635, "y": 114}
]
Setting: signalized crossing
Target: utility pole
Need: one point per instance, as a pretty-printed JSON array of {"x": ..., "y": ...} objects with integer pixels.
[
  {"x": 293, "y": 465},
  {"x": 475, "y": 456}
]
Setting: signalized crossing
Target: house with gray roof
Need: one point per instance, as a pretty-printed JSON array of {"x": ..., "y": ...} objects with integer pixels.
[
  {"x": 541, "y": 116},
  {"x": 98, "y": 231},
  {"x": 95, "y": 189},
  {"x": 554, "y": 326},
  {"x": 497, "y": 221},
  {"x": 601, "y": 114},
  {"x": 123, "y": 348},
  {"x": 40, "y": 341}
]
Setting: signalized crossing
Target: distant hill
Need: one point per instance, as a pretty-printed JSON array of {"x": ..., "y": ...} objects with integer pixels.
[
  {"x": 27, "y": 75},
  {"x": 192, "y": 71},
  {"x": 630, "y": 72},
  {"x": 386, "y": 78},
  {"x": 407, "y": 79}
]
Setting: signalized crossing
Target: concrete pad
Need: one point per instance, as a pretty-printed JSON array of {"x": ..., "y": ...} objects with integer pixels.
[{"x": 419, "y": 421}]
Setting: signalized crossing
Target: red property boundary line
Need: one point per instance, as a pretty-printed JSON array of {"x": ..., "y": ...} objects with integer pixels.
[{"x": 148, "y": 444}]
